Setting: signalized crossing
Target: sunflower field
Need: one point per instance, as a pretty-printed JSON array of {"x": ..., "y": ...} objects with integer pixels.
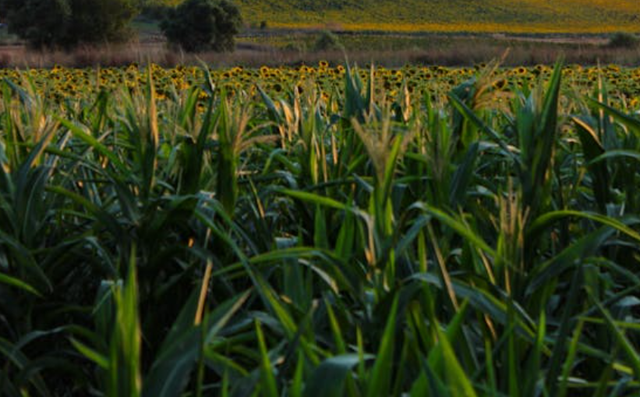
[
  {"x": 60, "y": 83},
  {"x": 320, "y": 231}
]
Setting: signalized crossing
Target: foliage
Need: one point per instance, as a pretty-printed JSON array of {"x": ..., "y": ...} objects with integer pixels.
[
  {"x": 159, "y": 3},
  {"x": 66, "y": 23},
  {"x": 52, "y": 21},
  {"x": 166, "y": 240},
  {"x": 327, "y": 41},
  {"x": 624, "y": 40},
  {"x": 198, "y": 25},
  {"x": 156, "y": 9}
]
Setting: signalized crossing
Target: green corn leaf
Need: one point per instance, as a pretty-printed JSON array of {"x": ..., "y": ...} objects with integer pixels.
[
  {"x": 627, "y": 346},
  {"x": 98, "y": 358},
  {"x": 456, "y": 381},
  {"x": 177, "y": 357},
  {"x": 268, "y": 381},
  {"x": 14, "y": 282},
  {"x": 328, "y": 378},
  {"x": 379, "y": 380}
]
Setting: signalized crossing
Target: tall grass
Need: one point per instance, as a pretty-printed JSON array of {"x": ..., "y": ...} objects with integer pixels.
[{"x": 311, "y": 246}]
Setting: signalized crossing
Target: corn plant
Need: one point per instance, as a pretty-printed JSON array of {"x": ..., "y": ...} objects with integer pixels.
[{"x": 235, "y": 243}]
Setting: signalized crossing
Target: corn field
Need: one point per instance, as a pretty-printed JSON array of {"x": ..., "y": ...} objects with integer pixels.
[{"x": 211, "y": 241}]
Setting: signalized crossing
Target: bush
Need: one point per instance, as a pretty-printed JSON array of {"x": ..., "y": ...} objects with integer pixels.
[
  {"x": 296, "y": 46},
  {"x": 199, "y": 25},
  {"x": 67, "y": 23},
  {"x": 328, "y": 41},
  {"x": 624, "y": 40}
]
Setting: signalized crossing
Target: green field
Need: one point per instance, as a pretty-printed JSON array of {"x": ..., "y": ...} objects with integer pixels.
[{"x": 319, "y": 231}]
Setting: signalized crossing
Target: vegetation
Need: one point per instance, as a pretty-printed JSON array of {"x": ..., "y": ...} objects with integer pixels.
[
  {"x": 594, "y": 16},
  {"x": 60, "y": 84},
  {"x": 198, "y": 25},
  {"x": 624, "y": 40},
  {"x": 67, "y": 23},
  {"x": 318, "y": 242},
  {"x": 160, "y": 3},
  {"x": 327, "y": 41}
]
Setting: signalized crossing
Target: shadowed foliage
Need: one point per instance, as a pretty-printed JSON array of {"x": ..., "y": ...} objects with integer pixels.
[
  {"x": 67, "y": 23},
  {"x": 199, "y": 25}
]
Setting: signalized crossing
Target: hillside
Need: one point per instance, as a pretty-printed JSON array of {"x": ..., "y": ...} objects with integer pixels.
[{"x": 545, "y": 16}]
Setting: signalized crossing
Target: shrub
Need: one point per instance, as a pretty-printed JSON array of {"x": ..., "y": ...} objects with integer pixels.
[
  {"x": 198, "y": 25},
  {"x": 328, "y": 41},
  {"x": 296, "y": 46},
  {"x": 67, "y": 23},
  {"x": 624, "y": 40}
]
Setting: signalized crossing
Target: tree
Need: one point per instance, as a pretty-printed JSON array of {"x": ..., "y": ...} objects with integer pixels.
[
  {"x": 156, "y": 9},
  {"x": 103, "y": 20},
  {"x": 52, "y": 19},
  {"x": 66, "y": 23},
  {"x": 198, "y": 25}
]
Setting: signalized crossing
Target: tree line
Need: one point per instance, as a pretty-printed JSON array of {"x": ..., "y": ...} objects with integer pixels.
[{"x": 195, "y": 25}]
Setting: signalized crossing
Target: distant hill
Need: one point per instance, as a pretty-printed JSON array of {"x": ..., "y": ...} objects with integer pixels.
[{"x": 544, "y": 16}]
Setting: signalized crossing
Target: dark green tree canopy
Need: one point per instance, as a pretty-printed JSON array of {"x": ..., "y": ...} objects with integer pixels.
[
  {"x": 66, "y": 23},
  {"x": 198, "y": 25}
]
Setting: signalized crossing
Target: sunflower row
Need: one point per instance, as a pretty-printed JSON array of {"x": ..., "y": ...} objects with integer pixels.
[{"x": 61, "y": 83}]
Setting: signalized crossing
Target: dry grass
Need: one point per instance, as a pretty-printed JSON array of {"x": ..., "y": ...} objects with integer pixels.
[{"x": 446, "y": 50}]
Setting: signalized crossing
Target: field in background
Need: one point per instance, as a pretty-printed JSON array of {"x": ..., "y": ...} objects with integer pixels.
[
  {"x": 514, "y": 16},
  {"x": 438, "y": 39},
  {"x": 61, "y": 84}
]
